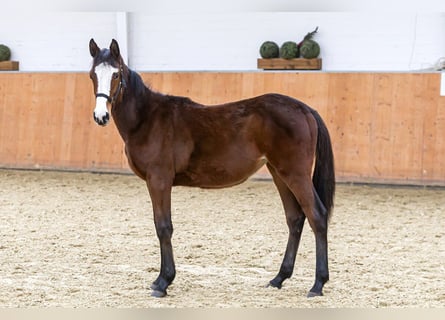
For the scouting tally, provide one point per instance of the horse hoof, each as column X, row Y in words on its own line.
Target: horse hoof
column 158, row 294
column 314, row 294
column 274, row 285
column 154, row 287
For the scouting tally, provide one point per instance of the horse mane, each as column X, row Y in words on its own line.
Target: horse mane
column 178, row 100
column 140, row 88
column 136, row 83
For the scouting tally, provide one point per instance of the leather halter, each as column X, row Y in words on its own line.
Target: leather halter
column 122, row 85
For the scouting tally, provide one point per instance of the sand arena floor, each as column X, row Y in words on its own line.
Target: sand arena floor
column 88, row 240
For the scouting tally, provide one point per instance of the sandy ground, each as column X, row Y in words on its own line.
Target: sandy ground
column 88, row 240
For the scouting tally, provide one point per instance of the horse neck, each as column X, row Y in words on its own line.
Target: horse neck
column 130, row 112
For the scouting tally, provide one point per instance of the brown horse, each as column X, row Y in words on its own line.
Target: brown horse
column 173, row 141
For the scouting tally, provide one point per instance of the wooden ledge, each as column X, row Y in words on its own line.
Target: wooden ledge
column 289, row 64
column 9, row 65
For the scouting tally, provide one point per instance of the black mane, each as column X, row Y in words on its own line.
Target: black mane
column 136, row 82
column 139, row 87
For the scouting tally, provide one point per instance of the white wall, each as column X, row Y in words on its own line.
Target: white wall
column 54, row 41
column 353, row 41
column 230, row 41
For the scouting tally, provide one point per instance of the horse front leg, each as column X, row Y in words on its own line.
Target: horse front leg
column 160, row 193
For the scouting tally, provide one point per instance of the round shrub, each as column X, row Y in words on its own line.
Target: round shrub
column 269, row 50
column 309, row 49
column 289, row 50
column 5, row 53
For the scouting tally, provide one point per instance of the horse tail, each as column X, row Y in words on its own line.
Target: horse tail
column 324, row 174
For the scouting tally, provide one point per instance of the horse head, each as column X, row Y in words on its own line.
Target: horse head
column 107, row 74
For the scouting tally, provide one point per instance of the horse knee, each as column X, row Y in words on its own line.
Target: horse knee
column 164, row 230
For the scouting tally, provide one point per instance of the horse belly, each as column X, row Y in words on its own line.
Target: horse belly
column 218, row 174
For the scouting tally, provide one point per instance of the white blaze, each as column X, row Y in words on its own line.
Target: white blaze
column 104, row 73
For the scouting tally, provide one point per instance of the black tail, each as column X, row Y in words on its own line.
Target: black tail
column 324, row 175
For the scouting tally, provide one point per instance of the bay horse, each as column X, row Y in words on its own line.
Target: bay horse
column 174, row 141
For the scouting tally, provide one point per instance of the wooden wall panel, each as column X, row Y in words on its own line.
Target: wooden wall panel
column 385, row 127
column 46, row 122
column 348, row 114
column 381, row 130
column 433, row 152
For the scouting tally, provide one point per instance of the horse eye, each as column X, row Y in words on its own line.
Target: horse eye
column 115, row 75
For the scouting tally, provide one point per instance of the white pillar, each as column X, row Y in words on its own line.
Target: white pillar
column 122, row 34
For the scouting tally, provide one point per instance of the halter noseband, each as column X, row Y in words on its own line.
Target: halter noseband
column 122, row 85
column 103, row 95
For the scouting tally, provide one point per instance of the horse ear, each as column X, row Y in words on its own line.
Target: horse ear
column 114, row 48
column 94, row 49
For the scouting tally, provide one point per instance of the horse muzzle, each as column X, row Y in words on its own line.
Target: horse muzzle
column 102, row 120
column 101, row 114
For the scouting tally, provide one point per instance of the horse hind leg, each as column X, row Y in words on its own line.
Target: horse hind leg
column 319, row 224
column 316, row 214
column 307, row 203
column 295, row 220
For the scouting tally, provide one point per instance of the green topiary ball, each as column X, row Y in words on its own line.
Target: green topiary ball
column 269, row 50
column 309, row 49
column 289, row 50
column 5, row 53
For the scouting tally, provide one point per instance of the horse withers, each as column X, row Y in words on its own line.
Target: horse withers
column 174, row 141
